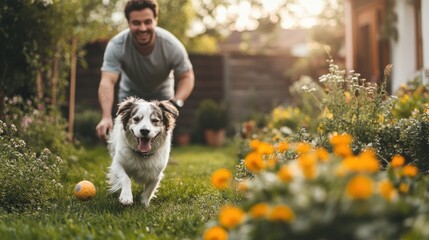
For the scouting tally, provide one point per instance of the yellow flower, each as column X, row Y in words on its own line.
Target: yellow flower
column 341, row 139
column 221, row 178
column 254, row 144
column 404, row 99
column 366, row 162
column 302, row 147
column 285, row 174
column 347, row 97
column 215, row 233
column 307, row 164
column 343, row 150
column 281, row 213
column 360, row 187
column 387, row 190
column 282, row 147
column 381, row 118
column 404, row 188
column 259, row 210
column 410, row 171
column 265, row 148
column 254, row 162
column 322, row 154
column 397, row 161
column 231, row 216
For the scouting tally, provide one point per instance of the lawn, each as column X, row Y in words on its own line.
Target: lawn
column 184, row 203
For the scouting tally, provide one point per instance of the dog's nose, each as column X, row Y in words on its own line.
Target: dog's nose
column 144, row 132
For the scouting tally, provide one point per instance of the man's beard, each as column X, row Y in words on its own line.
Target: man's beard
column 146, row 41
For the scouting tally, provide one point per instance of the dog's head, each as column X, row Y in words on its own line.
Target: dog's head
column 147, row 120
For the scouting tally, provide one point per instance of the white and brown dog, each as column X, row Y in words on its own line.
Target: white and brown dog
column 140, row 146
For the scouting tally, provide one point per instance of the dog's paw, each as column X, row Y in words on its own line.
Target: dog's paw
column 125, row 199
column 145, row 203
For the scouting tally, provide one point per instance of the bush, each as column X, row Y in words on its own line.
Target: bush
column 408, row 137
column 41, row 126
column 29, row 181
column 290, row 117
column 84, row 126
column 412, row 96
column 211, row 115
column 354, row 106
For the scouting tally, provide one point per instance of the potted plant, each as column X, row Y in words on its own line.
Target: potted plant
column 212, row 119
column 182, row 136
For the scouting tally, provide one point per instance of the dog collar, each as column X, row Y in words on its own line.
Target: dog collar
column 144, row 155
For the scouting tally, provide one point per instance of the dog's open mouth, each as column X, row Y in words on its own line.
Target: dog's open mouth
column 145, row 144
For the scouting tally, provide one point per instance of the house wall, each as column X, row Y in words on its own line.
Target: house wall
column 425, row 36
column 403, row 50
column 349, row 35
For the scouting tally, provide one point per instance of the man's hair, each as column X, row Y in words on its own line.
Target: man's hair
column 136, row 5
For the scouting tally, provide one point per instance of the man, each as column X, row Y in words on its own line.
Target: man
column 148, row 59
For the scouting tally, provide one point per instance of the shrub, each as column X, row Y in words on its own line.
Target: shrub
column 84, row 126
column 29, row 181
column 412, row 95
column 289, row 117
column 41, row 126
column 211, row 115
column 408, row 137
column 355, row 106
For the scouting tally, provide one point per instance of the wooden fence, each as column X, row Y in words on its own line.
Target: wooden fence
column 246, row 84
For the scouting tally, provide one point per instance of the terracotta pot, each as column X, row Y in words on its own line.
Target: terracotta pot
column 183, row 139
column 214, row 138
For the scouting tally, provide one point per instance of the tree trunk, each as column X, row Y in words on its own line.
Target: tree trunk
column 2, row 105
column 39, row 83
column 55, row 78
column 72, row 88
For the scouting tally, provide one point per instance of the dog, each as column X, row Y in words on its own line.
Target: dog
column 140, row 145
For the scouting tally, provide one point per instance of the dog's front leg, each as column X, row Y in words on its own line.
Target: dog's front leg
column 119, row 179
column 126, row 197
column 149, row 191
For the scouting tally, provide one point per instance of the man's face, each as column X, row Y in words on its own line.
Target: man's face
column 142, row 24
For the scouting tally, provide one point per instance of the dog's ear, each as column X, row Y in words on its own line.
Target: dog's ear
column 169, row 112
column 124, row 109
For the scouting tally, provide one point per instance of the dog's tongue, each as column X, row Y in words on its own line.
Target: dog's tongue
column 144, row 145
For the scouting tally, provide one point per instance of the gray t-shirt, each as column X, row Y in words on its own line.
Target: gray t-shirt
column 148, row 77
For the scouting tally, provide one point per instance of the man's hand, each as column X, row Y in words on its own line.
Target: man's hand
column 104, row 127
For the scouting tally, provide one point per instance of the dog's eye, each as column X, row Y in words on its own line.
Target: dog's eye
column 136, row 119
column 156, row 120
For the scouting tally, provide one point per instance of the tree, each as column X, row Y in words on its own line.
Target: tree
column 36, row 38
column 327, row 39
column 25, row 34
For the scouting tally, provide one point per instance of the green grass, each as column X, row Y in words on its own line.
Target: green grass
column 184, row 203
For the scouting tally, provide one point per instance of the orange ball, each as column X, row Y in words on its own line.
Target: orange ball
column 84, row 190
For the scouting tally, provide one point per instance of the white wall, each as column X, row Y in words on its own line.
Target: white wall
column 425, row 36
column 349, row 35
column 404, row 50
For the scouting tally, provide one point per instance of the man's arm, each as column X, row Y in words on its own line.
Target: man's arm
column 106, row 91
column 185, row 85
